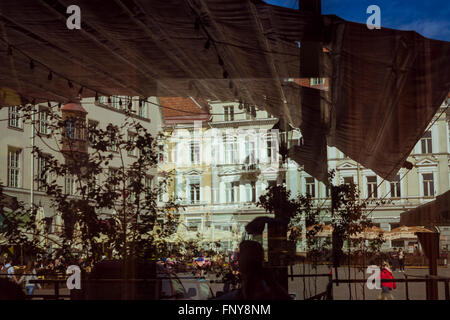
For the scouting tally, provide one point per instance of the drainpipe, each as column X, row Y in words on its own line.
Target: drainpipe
column 32, row 157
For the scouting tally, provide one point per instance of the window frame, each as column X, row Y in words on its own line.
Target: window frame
column 194, row 193
column 14, row 118
column 310, row 185
column 41, row 161
column 228, row 113
column 428, row 185
column 426, row 142
column 372, row 187
column 70, row 187
column 91, row 124
column 396, row 187
column 17, row 168
column 131, row 136
column 194, row 152
column 43, row 122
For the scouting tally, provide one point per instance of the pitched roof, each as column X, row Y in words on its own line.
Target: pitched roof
column 182, row 110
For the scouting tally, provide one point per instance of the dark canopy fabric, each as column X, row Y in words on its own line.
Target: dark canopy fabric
column 385, row 84
column 434, row 213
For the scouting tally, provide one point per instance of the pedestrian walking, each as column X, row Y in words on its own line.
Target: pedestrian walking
column 387, row 287
column 8, row 269
column 393, row 256
column 30, row 274
column 257, row 283
column 401, row 260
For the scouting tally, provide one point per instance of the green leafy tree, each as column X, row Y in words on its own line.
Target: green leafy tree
column 113, row 211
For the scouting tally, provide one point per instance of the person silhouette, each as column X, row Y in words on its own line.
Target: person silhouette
column 257, row 282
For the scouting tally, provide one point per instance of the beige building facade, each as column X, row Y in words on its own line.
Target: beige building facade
column 19, row 169
column 235, row 169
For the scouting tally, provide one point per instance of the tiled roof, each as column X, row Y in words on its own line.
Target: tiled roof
column 175, row 108
column 72, row 106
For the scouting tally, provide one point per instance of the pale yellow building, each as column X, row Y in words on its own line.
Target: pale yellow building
column 19, row 168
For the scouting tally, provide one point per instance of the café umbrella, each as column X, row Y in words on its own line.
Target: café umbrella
column 405, row 232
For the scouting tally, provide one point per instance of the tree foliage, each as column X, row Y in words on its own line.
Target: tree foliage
column 113, row 211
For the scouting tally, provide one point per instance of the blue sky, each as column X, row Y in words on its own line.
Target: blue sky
column 430, row 18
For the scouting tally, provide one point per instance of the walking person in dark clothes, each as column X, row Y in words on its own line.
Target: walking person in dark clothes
column 401, row 260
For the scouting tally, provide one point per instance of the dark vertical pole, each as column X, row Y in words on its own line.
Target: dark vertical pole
column 277, row 249
column 447, row 292
column 433, row 274
column 311, row 47
column 56, row 289
column 406, row 286
column 330, row 287
column 430, row 245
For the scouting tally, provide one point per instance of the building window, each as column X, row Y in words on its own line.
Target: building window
column 228, row 113
column 161, row 190
column 428, row 184
column 250, row 150
column 271, row 148
column 43, row 121
column 14, row 120
column 103, row 100
column 42, row 175
column 70, row 130
column 92, row 125
column 194, row 192
column 148, row 184
column 113, row 174
column 251, row 192
column 229, row 192
column 395, row 188
column 272, row 183
column 235, row 192
column 161, row 154
column 112, row 138
column 372, row 190
column 14, row 167
column 317, row 81
column 127, row 103
column 70, row 185
column 251, row 113
column 348, row 180
column 253, row 187
column 195, row 152
column 143, row 109
column 194, row 225
column 120, row 102
column 131, row 144
column 310, row 186
column 327, row 191
column 230, row 149
column 426, row 142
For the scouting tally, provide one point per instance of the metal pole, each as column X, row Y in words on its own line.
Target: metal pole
column 32, row 157
column 406, row 286
column 447, row 293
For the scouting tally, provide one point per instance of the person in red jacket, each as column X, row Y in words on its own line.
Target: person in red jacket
column 386, row 287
